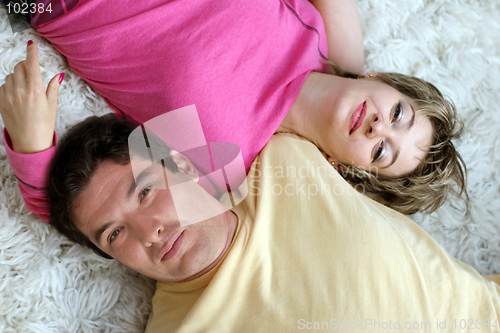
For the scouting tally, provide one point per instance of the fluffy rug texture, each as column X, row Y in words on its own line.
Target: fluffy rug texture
column 48, row 284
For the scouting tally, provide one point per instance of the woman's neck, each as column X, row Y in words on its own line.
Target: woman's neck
column 311, row 109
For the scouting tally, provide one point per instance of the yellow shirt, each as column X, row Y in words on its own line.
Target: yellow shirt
column 311, row 253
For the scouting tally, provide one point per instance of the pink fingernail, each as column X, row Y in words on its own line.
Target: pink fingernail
column 61, row 78
column 30, row 42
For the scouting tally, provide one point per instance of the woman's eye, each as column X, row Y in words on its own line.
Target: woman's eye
column 113, row 235
column 144, row 192
column 398, row 111
column 379, row 152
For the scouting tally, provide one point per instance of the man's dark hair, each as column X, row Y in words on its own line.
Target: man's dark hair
column 80, row 153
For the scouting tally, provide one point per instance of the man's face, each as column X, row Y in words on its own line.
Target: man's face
column 138, row 225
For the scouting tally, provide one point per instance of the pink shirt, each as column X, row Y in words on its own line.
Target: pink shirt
column 242, row 63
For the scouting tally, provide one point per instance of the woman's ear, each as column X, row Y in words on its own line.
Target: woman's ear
column 371, row 74
column 184, row 165
column 332, row 161
column 335, row 164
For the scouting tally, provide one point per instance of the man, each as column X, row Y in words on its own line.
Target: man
column 304, row 250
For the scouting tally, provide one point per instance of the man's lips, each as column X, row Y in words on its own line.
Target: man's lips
column 358, row 117
column 171, row 247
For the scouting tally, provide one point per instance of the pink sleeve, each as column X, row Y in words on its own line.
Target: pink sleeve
column 31, row 172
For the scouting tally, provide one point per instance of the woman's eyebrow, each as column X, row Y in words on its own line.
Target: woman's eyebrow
column 410, row 125
column 412, row 120
column 394, row 159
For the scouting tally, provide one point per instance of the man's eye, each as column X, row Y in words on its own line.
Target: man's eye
column 398, row 111
column 144, row 192
column 379, row 152
column 113, row 235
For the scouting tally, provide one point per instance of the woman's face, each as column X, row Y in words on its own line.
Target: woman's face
column 374, row 127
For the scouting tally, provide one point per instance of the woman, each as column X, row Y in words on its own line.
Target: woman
column 251, row 69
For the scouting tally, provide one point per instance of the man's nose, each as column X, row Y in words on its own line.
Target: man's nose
column 148, row 229
column 376, row 127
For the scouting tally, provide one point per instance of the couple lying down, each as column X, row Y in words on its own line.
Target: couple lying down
column 371, row 121
column 303, row 248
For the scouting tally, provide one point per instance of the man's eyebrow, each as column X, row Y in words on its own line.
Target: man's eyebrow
column 133, row 184
column 100, row 231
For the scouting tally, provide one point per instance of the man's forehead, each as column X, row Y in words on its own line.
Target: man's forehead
column 102, row 198
column 103, row 184
column 108, row 174
column 113, row 181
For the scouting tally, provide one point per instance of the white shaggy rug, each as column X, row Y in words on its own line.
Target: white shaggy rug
column 48, row 284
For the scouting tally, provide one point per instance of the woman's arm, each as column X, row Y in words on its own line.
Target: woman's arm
column 29, row 114
column 28, row 111
column 343, row 33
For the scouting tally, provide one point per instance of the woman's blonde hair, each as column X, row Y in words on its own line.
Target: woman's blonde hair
column 443, row 170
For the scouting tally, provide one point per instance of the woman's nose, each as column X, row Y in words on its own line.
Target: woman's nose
column 376, row 127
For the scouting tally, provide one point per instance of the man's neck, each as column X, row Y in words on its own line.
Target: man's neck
column 232, row 225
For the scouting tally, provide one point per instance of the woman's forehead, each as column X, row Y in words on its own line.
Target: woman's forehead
column 414, row 146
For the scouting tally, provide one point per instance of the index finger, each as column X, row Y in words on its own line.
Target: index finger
column 33, row 74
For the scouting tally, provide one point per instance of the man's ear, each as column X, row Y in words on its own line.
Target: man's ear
column 184, row 165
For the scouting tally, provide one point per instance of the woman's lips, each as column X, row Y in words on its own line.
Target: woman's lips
column 358, row 117
column 171, row 247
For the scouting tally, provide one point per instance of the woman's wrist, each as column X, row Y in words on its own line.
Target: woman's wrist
column 28, row 146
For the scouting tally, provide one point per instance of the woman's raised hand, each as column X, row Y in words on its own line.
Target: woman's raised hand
column 28, row 110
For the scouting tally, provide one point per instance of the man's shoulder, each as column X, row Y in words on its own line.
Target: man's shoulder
column 285, row 138
column 293, row 148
